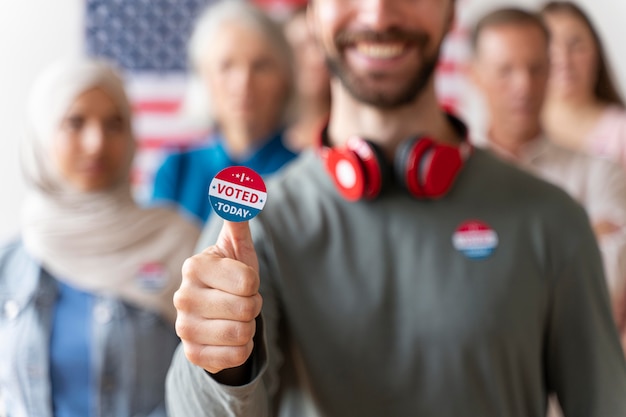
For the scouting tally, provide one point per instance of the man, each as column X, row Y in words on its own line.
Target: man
column 510, row 67
column 478, row 298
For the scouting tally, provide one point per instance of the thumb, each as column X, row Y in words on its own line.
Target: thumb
column 235, row 242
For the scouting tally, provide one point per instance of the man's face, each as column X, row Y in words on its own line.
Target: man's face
column 511, row 68
column 383, row 51
column 248, row 83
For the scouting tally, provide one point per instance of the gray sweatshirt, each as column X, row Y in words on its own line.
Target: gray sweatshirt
column 479, row 304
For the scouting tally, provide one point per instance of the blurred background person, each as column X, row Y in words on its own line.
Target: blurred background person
column 312, row 83
column 510, row 66
column 584, row 109
column 87, row 319
column 244, row 64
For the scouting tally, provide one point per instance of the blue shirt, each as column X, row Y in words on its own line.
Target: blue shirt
column 184, row 177
column 69, row 353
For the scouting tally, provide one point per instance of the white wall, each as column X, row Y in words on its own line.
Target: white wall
column 35, row 32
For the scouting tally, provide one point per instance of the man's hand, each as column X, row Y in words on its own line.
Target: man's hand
column 218, row 301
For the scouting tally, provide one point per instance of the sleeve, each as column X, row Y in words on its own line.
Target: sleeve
column 165, row 188
column 585, row 364
column 191, row 391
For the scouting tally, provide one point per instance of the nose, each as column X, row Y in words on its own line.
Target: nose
column 559, row 55
column 523, row 81
column 240, row 80
column 93, row 139
column 379, row 14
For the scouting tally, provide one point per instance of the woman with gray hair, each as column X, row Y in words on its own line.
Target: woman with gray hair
column 244, row 63
column 86, row 311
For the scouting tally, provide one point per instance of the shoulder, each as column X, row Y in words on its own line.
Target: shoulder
column 484, row 170
column 302, row 177
column 610, row 125
column 13, row 252
column 192, row 163
column 19, row 271
column 504, row 186
column 616, row 114
column 193, row 155
column 173, row 223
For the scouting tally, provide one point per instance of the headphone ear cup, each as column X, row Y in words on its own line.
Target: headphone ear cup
column 374, row 164
column 359, row 169
column 346, row 171
column 427, row 169
column 440, row 169
column 408, row 164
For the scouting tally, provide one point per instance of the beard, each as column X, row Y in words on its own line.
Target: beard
column 360, row 86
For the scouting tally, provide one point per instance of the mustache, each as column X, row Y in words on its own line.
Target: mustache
column 348, row 38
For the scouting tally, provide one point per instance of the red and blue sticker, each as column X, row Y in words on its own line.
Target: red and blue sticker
column 237, row 194
column 475, row 239
column 152, row 277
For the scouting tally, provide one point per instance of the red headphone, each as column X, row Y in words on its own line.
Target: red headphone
column 426, row 168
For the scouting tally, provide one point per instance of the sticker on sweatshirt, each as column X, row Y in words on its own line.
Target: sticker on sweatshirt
column 152, row 277
column 475, row 239
column 237, row 194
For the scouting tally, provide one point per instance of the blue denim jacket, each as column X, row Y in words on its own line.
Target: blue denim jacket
column 131, row 353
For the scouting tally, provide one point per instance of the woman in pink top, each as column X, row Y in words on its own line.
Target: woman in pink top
column 583, row 109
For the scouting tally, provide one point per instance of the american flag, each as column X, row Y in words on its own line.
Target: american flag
column 147, row 39
column 451, row 81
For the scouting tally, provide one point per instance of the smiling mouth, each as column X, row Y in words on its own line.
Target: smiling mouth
column 378, row 50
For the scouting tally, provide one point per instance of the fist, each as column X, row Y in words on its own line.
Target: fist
column 218, row 301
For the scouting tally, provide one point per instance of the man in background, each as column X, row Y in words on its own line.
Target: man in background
column 510, row 66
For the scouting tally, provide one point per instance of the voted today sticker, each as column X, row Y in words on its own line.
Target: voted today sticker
column 237, row 194
column 475, row 239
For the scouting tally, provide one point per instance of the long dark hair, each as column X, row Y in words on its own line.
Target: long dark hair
column 605, row 88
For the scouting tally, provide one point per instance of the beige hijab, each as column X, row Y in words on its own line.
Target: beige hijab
column 100, row 242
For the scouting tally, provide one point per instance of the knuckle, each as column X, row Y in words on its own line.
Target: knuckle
column 238, row 356
column 248, row 283
column 189, row 267
column 194, row 354
column 181, row 300
column 243, row 333
column 184, row 330
column 247, row 310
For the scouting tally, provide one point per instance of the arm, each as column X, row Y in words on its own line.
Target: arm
column 585, row 363
column 607, row 208
column 194, row 391
column 607, row 201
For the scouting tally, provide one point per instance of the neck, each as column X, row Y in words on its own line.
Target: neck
column 239, row 140
column 312, row 109
column 572, row 103
column 512, row 141
column 388, row 127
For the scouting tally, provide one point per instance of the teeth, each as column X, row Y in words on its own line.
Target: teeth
column 381, row 51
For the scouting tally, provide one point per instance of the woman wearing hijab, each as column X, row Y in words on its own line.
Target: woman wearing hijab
column 86, row 312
